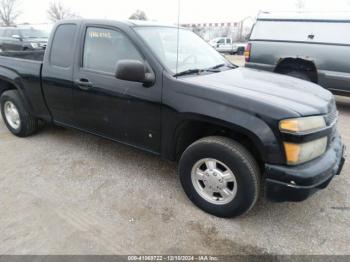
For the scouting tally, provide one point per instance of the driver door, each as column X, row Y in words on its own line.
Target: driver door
column 120, row 110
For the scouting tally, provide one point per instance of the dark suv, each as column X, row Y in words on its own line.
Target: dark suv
column 18, row 39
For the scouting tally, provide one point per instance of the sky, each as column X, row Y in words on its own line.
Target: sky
column 192, row 11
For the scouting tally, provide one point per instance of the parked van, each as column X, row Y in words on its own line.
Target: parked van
column 310, row 46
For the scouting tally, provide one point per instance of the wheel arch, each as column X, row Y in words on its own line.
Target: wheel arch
column 192, row 129
column 11, row 81
column 303, row 64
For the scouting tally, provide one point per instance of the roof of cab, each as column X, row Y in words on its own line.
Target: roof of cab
column 148, row 23
column 132, row 23
column 305, row 16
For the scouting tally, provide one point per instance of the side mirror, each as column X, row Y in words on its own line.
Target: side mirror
column 134, row 71
column 16, row 37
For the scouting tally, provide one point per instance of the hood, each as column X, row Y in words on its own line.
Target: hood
column 280, row 92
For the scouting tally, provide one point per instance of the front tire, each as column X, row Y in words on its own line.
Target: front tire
column 220, row 176
column 17, row 119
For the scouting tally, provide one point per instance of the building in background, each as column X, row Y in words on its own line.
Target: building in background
column 209, row 31
column 237, row 31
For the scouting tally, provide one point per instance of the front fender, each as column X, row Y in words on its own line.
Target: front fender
column 180, row 106
column 258, row 132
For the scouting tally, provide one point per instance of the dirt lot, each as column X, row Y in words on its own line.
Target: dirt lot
column 237, row 60
column 65, row 192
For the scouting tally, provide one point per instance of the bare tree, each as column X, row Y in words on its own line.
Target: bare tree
column 300, row 4
column 57, row 12
column 9, row 12
column 138, row 15
column 198, row 30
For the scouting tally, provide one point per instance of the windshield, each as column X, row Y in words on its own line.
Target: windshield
column 34, row 33
column 194, row 52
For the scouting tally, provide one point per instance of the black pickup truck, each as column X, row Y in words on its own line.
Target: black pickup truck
column 164, row 90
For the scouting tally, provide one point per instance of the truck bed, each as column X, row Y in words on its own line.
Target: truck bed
column 24, row 69
column 28, row 55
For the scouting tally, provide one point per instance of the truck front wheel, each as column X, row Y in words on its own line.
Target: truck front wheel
column 220, row 176
column 15, row 116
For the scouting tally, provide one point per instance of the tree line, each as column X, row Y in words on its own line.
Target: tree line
column 10, row 11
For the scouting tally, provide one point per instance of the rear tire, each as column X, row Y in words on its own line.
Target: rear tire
column 231, row 188
column 299, row 74
column 240, row 51
column 17, row 119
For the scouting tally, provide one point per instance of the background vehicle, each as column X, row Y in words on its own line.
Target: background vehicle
column 313, row 47
column 225, row 125
column 18, row 39
column 241, row 47
column 224, row 45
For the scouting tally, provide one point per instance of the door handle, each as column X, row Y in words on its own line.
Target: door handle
column 84, row 84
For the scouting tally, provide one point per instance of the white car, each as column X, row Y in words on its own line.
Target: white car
column 224, row 45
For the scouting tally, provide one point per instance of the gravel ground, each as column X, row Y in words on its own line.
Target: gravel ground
column 236, row 59
column 65, row 192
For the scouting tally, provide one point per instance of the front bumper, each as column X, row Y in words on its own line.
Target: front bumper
column 297, row 183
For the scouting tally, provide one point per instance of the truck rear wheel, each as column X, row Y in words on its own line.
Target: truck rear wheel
column 17, row 119
column 299, row 74
column 240, row 51
column 220, row 176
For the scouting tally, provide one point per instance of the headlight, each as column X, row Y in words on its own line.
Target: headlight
column 305, row 124
column 300, row 153
column 34, row 45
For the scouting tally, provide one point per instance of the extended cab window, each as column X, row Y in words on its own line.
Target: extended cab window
column 105, row 47
column 62, row 46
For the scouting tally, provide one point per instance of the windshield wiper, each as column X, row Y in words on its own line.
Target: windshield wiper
column 188, row 72
column 216, row 67
column 213, row 69
column 222, row 65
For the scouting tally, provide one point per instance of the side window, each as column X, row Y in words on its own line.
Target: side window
column 63, row 46
column 221, row 41
column 103, row 48
column 2, row 32
column 228, row 40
